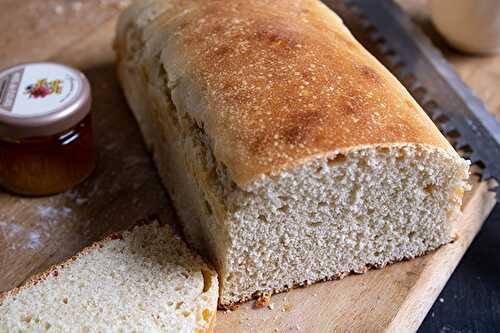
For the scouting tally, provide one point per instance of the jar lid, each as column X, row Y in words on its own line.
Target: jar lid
column 41, row 99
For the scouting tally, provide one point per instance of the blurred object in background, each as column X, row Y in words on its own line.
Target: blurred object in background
column 468, row 25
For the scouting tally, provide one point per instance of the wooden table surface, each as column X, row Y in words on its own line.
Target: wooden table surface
column 37, row 232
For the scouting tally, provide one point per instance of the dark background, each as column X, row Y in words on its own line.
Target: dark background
column 470, row 301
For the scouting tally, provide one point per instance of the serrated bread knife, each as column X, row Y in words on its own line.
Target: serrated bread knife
column 391, row 36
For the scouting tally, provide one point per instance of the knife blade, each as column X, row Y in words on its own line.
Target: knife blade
column 391, row 36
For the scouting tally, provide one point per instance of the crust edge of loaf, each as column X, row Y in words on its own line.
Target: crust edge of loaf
column 339, row 276
column 330, row 154
column 142, row 22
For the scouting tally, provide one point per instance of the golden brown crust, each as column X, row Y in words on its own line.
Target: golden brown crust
column 274, row 83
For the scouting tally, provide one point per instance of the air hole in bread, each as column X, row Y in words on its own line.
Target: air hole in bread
column 429, row 188
column 339, row 158
column 401, row 156
column 262, row 218
column 384, row 150
column 283, row 209
column 186, row 314
column 283, row 198
column 314, row 223
column 178, row 305
column 26, row 318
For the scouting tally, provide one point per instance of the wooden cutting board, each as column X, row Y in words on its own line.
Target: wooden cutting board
column 37, row 232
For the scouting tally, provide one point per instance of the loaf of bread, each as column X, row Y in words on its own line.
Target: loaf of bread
column 291, row 154
column 145, row 280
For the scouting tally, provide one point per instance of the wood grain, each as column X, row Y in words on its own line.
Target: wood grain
column 37, row 232
column 124, row 188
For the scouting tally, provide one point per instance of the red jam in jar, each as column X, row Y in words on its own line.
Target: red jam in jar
column 46, row 143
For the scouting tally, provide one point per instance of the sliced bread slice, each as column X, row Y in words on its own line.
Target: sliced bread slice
column 144, row 280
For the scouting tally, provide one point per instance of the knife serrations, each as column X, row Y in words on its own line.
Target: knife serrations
column 390, row 35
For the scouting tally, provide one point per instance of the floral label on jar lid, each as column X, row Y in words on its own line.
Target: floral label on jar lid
column 37, row 89
column 43, row 88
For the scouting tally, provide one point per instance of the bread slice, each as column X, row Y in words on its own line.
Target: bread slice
column 145, row 280
column 291, row 154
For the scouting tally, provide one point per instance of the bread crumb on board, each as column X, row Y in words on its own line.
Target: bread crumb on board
column 263, row 300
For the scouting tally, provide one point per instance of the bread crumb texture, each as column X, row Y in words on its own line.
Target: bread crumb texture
column 324, row 219
column 145, row 281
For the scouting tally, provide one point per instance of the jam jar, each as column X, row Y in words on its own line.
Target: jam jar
column 46, row 143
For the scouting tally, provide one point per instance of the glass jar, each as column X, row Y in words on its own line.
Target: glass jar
column 46, row 143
